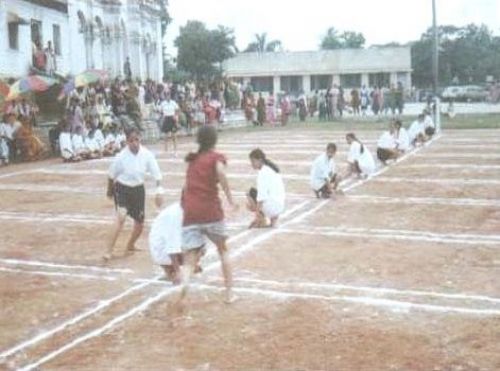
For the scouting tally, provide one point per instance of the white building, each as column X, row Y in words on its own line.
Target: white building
column 318, row 70
column 85, row 34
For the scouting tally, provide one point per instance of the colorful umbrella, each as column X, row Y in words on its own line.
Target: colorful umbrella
column 89, row 77
column 30, row 83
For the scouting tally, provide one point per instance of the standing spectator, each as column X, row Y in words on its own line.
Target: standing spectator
column 399, row 98
column 375, row 100
column 127, row 71
column 39, row 57
column 365, row 99
column 341, row 101
column 286, row 109
column 75, row 115
column 355, row 101
column 334, row 99
column 50, row 57
column 261, row 110
column 169, row 111
column 270, row 109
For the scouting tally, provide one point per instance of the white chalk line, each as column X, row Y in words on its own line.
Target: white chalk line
column 453, row 166
column 462, row 239
column 137, row 309
column 374, row 290
column 144, row 305
column 467, row 181
column 102, row 305
column 59, row 274
column 34, row 263
column 424, row 200
column 394, row 305
column 459, row 154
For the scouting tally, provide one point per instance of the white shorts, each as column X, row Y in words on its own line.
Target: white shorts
column 195, row 236
column 272, row 208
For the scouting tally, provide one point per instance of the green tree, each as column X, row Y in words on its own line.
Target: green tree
column 261, row 45
column 201, row 51
column 468, row 54
column 347, row 39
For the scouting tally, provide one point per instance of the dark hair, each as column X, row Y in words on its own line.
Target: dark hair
column 258, row 154
column 353, row 137
column 331, row 147
column 131, row 131
column 206, row 139
column 398, row 124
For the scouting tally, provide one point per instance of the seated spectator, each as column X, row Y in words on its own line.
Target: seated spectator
column 4, row 141
column 79, row 144
column 92, row 146
column 66, row 146
column 29, row 145
column 110, row 143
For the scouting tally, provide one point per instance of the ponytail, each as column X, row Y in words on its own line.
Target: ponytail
column 258, row 154
column 353, row 137
column 206, row 138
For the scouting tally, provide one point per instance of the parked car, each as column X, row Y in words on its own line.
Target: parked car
column 466, row 93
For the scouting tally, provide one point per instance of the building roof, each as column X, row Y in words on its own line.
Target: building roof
column 341, row 61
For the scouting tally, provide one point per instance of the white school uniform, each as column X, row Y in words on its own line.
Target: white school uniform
column 4, row 136
column 403, row 140
column 417, row 128
column 130, row 169
column 365, row 160
column 165, row 237
column 322, row 170
column 120, row 139
column 387, row 141
column 110, row 140
column 99, row 138
column 66, row 145
column 78, row 143
column 428, row 122
column 271, row 192
column 91, row 144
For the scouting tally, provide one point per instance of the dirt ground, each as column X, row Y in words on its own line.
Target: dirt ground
column 400, row 273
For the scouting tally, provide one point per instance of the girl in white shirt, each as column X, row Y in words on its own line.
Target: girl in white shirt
column 79, row 144
column 387, row 146
column 360, row 159
column 402, row 138
column 267, row 201
column 66, row 146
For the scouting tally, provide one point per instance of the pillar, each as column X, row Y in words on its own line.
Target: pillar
column 306, row 83
column 276, row 84
column 365, row 80
column 336, row 79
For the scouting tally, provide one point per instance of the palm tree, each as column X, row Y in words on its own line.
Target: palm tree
column 260, row 45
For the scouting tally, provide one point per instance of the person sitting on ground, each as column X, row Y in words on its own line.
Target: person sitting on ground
column 29, row 145
column 92, row 146
column 267, row 201
column 360, row 159
column 4, row 141
column 79, row 144
column 387, row 146
column 109, row 143
column 99, row 137
column 66, row 146
column 121, row 139
column 416, row 133
column 402, row 138
column 324, row 179
column 430, row 128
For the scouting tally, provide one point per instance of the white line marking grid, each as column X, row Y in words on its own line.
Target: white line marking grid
column 377, row 296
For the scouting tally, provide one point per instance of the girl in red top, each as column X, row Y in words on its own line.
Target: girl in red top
column 203, row 214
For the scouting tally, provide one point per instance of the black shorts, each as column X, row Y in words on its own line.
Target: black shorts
column 169, row 125
column 132, row 199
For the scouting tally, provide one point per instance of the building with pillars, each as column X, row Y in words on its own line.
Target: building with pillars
column 85, row 34
column 295, row 72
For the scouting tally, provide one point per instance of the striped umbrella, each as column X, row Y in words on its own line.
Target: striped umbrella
column 89, row 77
column 27, row 84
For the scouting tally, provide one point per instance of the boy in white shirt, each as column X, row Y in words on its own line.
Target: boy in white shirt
column 324, row 179
column 66, row 146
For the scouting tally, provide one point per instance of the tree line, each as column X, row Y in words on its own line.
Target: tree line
column 467, row 54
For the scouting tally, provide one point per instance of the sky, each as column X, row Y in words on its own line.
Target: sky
column 300, row 25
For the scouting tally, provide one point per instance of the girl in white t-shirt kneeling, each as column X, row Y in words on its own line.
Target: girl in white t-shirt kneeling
column 360, row 159
column 267, row 201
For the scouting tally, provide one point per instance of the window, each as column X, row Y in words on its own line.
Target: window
column 350, row 80
column 321, row 82
column 13, row 35
column 56, row 38
column 291, row 84
column 262, row 83
column 379, row 79
column 36, row 33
